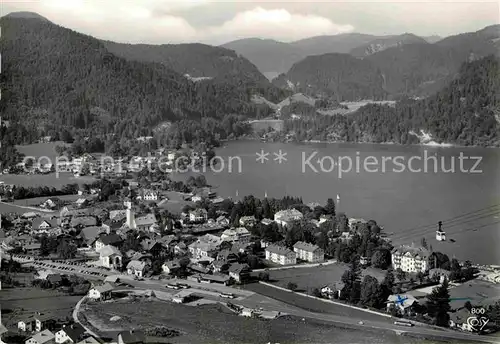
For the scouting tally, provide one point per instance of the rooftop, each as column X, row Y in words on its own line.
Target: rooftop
column 279, row 250
column 43, row 337
column 103, row 288
column 109, row 250
column 412, row 250
column 136, row 265
column 301, row 245
column 110, row 239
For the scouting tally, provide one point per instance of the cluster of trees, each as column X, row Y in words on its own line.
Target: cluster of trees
column 367, row 291
column 21, row 192
column 64, row 248
column 70, row 284
column 10, row 135
column 438, row 305
column 465, row 112
column 370, row 293
column 339, row 75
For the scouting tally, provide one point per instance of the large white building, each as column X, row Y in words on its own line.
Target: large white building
column 286, row 217
column 240, row 235
column 110, row 257
column 198, row 215
column 205, row 246
column 281, row 255
column 309, row 252
column 410, row 258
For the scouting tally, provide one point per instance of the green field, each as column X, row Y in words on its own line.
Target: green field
column 41, row 149
column 316, row 277
column 19, row 303
column 175, row 202
column 51, row 180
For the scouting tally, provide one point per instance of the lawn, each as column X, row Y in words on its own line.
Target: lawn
column 19, row 303
column 479, row 292
column 175, row 202
column 316, row 277
column 41, row 149
column 50, row 180
column 17, row 206
column 216, row 324
column 33, row 202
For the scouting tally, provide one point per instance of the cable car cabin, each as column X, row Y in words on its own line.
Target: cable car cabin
column 440, row 236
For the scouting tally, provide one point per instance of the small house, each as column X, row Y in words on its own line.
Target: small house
column 131, row 337
column 108, row 239
column 137, row 268
column 70, row 334
column 459, row 318
column 198, row 215
column 247, row 221
column 44, row 337
column 239, row 272
column 182, row 296
column 101, row 292
column 171, row 267
column 405, row 304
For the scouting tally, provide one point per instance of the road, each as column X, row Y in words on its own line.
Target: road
column 76, row 310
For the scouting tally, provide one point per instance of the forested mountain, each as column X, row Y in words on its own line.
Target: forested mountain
column 340, row 76
column 272, row 57
column 54, row 78
column 466, row 112
column 197, row 60
column 268, row 55
column 410, row 69
column 422, row 69
column 432, row 39
column 384, row 43
column 342, row 43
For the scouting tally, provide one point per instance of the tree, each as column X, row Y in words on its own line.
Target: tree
column 468, row 305
column 381, row 259
column 455, row 270
column 468, row 271
column 423, row 242
column 371, row 292
column 352, row 283
column 440, row 260
column 264, row 276
column 66, row 250
column 438, row 304
column 401, row 275
column 316, row 292
column 291, row 286
column 389, row 279
column 330, row 207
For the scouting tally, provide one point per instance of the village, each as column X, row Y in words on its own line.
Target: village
column 135, row 229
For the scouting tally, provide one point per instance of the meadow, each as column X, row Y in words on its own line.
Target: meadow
column 316, row 277
column 20, row 303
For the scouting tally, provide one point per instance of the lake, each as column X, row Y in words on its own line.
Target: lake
column 408, row 203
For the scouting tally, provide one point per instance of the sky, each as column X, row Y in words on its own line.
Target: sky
column 218, row 22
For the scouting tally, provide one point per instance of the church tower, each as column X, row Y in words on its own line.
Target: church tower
column 130, row 217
